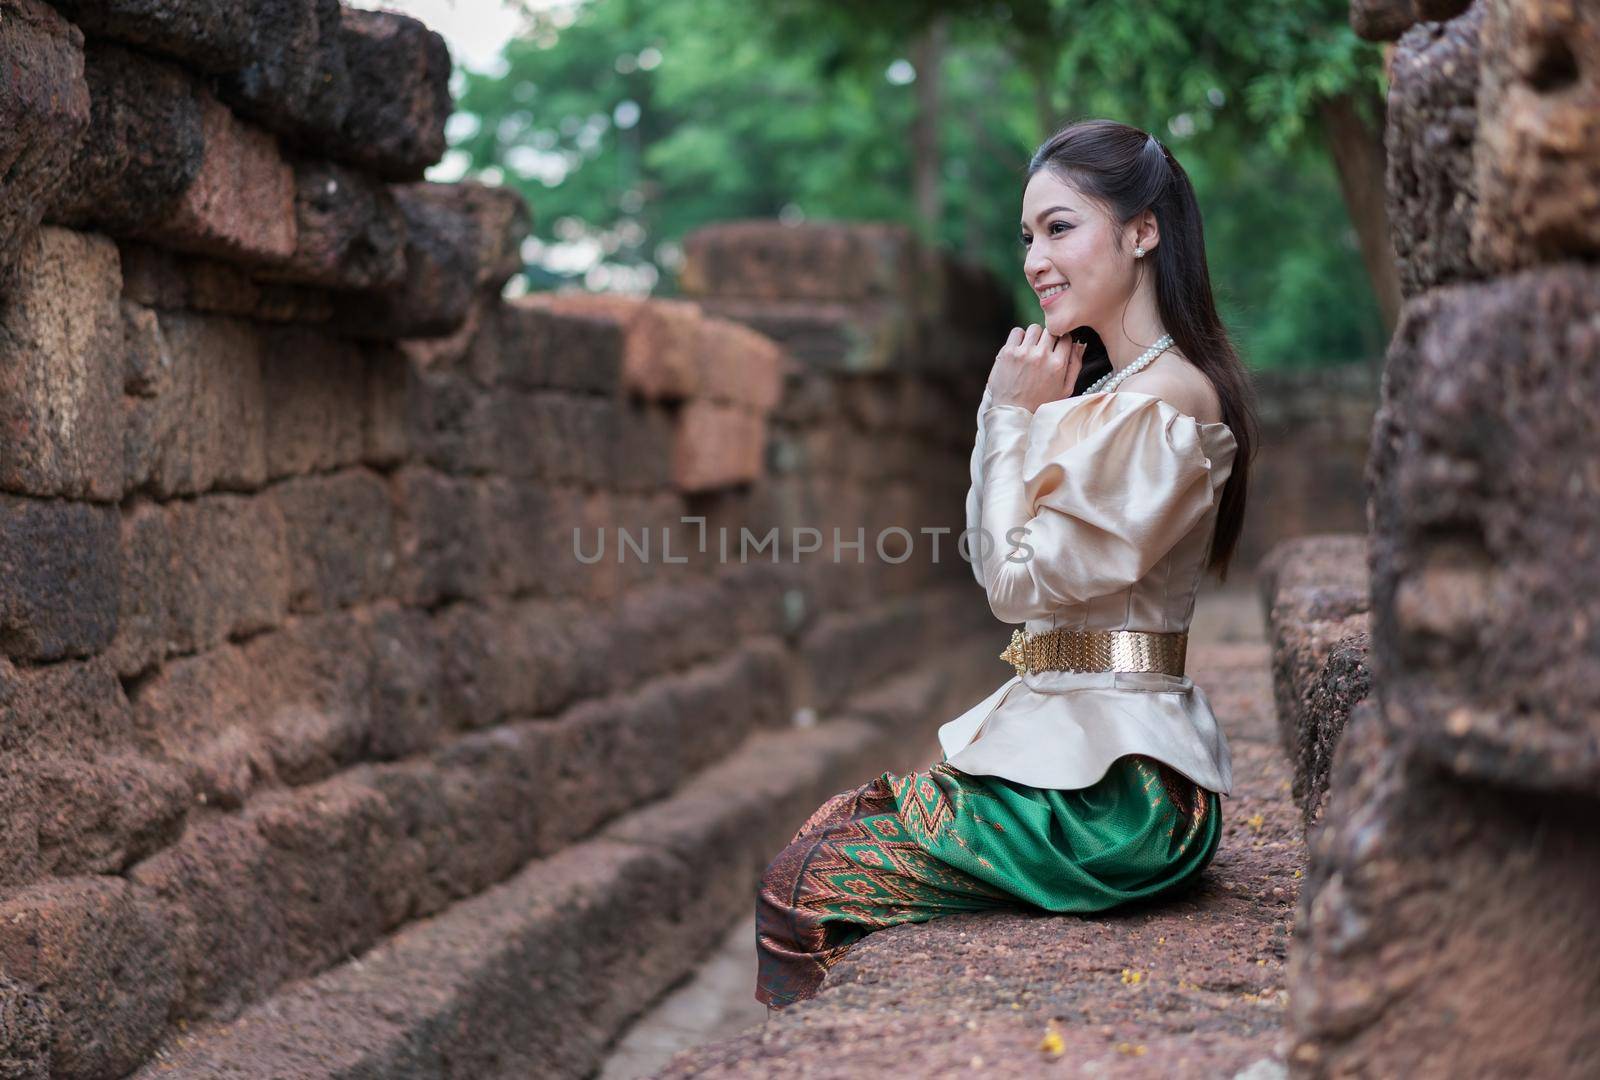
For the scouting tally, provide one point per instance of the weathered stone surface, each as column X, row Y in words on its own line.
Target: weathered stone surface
column 555, row 437
column 100, row 957
column 170, row 281
column 44, row 109
column 293, row 78
column 144, row 147
column 75, row 796
column 315, row 388
column 661, row 338
column 441, row 537
column 212, row 35
column 488, row 986
column 868, row 337
column 24, row 1032
column 1435, row 907
column 368, row 88
column 407, row 682
column 58, row 578
column 1484, row 521
column 1429, row 139
column 717, row 446
column 341, row 538
column 349, row 232
column 1538, row 154
column 766, row 260
column 291, row 706
column 241, row 205
column 200, row 421
column 61, row 369
column 525, row 344
column 196, row 572
column 399, row 94
column 462, row 240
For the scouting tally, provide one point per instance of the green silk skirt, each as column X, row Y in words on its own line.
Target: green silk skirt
column 910, row 848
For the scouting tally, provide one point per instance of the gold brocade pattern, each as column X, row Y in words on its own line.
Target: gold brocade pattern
column 1097, row 650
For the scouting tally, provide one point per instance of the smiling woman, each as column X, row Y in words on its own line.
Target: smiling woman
column 1093, row 777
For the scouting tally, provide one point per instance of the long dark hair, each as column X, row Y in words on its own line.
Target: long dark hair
column 1128, row 172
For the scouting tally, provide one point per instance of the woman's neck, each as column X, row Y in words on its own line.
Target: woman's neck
column 1134, row 330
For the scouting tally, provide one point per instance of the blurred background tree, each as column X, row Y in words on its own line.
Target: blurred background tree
column 628, row 124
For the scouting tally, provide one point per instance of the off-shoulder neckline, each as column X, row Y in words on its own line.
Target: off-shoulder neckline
column 1159, row 401
column 1162, row 402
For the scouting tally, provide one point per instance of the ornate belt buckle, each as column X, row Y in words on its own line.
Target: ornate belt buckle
column 1014, row 653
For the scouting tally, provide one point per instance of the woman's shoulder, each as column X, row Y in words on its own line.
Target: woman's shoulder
column 1176, row 381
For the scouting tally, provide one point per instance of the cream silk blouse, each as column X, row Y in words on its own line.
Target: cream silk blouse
column 1119, row 493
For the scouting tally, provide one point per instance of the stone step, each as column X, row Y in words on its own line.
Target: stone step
column 537, row 975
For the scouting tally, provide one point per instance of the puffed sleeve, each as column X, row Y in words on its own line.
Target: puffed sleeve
column 1104, row 486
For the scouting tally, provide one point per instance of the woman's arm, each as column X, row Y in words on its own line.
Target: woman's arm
column 1080, row 499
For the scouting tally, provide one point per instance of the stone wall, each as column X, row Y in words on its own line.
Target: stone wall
column 1306, row 478
column 1447, row 925
column 320, row 749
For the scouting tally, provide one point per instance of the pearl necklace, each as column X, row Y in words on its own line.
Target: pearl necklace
column 1110, row 380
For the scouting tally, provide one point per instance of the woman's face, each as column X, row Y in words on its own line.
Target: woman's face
column 1070, row 241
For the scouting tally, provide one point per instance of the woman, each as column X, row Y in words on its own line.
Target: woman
column 1108, row 473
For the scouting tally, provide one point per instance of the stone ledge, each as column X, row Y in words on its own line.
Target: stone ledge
column 1315, row 593
column 980, row 994
column 494, row 985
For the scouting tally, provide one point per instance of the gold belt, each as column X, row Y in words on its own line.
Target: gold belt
column 1096, row 650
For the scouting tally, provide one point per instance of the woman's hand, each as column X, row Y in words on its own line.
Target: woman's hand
column 1034, row 367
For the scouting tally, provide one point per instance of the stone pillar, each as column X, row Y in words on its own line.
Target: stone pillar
column 1449, row 925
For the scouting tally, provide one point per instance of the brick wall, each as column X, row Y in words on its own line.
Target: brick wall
column 300, row 677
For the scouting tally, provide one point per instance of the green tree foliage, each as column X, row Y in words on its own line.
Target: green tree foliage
column 628, row 124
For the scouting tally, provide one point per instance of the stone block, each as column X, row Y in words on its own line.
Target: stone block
column 834, row 336
column 1445, row 927
column 61, row 369
column 293, row 78
column 341, row 537
column 442, row 546
column 399, row 94
column 528, row 344
column 1429, row 139
column 241, row 205
column 211, row 35
column 315, row 388
column 739, row 366
column 103, row 961
column 661, row 354
column 201, row 422
column 196, row 572
column 58, row 578
column 144, row 147
column 407, row 682
column 44, row 111
column 290, row 706
column 450, row 421
column 717, row 445
column 767, row 260
column 1537, row 158
column 1484, row 517
column 227, row 924
column 349, row 232
column 384, row 439
column 555, row 437
column 462, row 240
column 523, row 536
column 75, row 797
